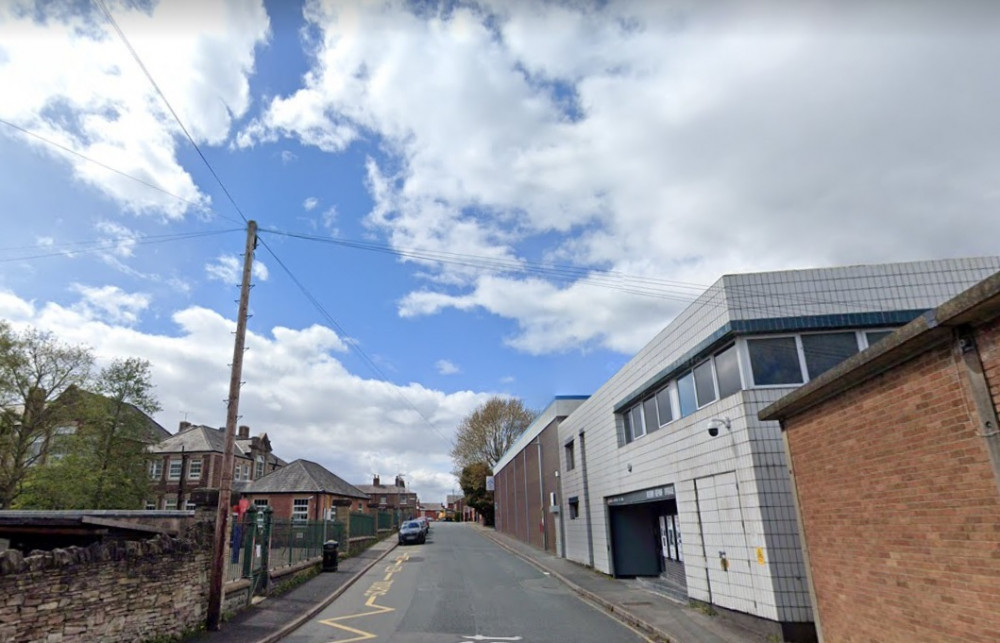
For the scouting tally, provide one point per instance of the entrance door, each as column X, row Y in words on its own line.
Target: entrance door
column 634, row 544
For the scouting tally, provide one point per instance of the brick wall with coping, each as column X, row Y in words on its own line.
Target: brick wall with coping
column 116, row 591
column 899, row 503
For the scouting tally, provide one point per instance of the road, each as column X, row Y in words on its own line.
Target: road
column 460, row 587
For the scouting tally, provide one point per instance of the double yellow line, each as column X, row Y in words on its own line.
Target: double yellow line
column 378, row 589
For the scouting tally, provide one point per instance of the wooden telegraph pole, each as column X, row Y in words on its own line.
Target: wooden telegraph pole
column 232, row 415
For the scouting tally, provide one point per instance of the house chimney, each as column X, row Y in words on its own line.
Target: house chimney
column 184, row 426
column 244, row 432
column 399, row 482
column 375, row 480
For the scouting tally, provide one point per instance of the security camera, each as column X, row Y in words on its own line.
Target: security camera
column 715, row 424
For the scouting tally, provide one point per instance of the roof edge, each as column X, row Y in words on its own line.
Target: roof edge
column 976, row 304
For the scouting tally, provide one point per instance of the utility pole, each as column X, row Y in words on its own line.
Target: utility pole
column 232, row 415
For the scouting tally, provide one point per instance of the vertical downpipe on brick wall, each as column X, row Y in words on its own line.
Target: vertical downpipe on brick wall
column 979, row 390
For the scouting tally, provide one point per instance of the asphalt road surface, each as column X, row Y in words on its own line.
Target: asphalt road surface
column 460, row 587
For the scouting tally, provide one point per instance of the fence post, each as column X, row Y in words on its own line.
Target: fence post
column 249, row 536
column 265, row 546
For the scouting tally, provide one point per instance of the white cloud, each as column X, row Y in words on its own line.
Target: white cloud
column 109, row 304
column 227, row 268
column 445, row 367
column 310, row 203
column 670, row 141
column 296, row 390
column 288, row 156
column 68, row 78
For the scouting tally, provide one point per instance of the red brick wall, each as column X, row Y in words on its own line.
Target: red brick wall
column 900, row 507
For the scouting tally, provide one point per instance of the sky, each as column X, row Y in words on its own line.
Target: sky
column 459, row 200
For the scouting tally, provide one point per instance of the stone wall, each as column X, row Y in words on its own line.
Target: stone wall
column 131, row 591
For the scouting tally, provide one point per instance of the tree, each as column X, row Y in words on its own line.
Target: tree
column 489, row 431
column 35, row 369
column 473, row 483
column 104, row 463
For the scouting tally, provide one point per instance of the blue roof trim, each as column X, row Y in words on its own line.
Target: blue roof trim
column 731, row 329
column 571, row 397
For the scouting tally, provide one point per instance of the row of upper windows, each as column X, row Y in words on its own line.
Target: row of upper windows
column 240, row 471
column 751, row 362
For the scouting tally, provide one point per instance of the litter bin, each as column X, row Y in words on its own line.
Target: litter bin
column 331, row 551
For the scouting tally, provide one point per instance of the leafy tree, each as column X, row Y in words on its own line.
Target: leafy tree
column 35, row 369
column 489, row 431
column 104, row 463
column 473, row 483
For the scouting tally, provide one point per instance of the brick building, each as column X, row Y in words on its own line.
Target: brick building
column 895, row 461
column 303, row 490
column 192, row 459
column 384, row 497
column 526, row 480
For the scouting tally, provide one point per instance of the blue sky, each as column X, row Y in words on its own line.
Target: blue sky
column 614, row 157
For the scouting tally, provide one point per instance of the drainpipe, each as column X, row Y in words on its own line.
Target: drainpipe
column 527, row 514
column 586, row 500
column 541, row 494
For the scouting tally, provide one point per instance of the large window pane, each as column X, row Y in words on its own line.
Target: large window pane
column 774, row 360
column 704, row 385
column 649, row 411
column 825, row 351
column 627, row 421
column 663, row 407
column 685, row 391
column 727, row 370
column 638, row 430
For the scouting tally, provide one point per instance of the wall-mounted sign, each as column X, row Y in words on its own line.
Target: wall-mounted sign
column 489, row 483
column 664, row 492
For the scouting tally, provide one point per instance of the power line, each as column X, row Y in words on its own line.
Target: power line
column 353, row 346
column 93, row 247
column 142, row 66
column 69, row 150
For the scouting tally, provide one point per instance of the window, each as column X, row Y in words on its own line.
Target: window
column 685, row 391
column 574, row 507
column 194, row 470
column 260, row 467
column 649, row 411
column 300, row 509
column 402, row 500
column 826, row 350
column 704, row 384
column 150, row 505
column 774, row 361
column 875, row 336
column 260, row 503
column 727, row 371
column 664, row 408
column 635, row 419
column 170, row 504
column 383, row 500
column 156, row 469
column 175, row 471
column 190, row 506
column 570, row 452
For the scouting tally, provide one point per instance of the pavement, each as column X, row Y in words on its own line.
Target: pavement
column 656, row 614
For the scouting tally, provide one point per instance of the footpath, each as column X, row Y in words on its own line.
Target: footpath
column 656, row 615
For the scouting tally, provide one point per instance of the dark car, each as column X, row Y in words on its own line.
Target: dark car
column 412, row 531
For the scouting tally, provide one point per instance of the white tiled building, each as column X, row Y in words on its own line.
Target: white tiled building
column 647, row 490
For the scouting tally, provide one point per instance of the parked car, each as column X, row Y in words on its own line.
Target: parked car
column 412, row 531
column 425, row 524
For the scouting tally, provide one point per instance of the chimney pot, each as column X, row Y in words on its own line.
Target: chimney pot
column 244, row 431
column 375, row 480
column 184, row 426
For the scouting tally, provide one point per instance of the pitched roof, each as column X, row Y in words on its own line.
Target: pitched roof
column 303, row 476
column 383, row 489
column 74, row 395
column 197, row 438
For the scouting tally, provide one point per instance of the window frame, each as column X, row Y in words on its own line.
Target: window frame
column 156, row 469
column 803, row 373
column 170, row 470
column 191, row 473
column 297, row 516
column 569, row 451
column 857, row 346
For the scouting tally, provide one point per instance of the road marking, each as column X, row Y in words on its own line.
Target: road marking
column 378, row 589
column 480, row 637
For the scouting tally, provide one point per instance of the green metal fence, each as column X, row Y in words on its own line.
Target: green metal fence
column 362, row 525
column 293, row 541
